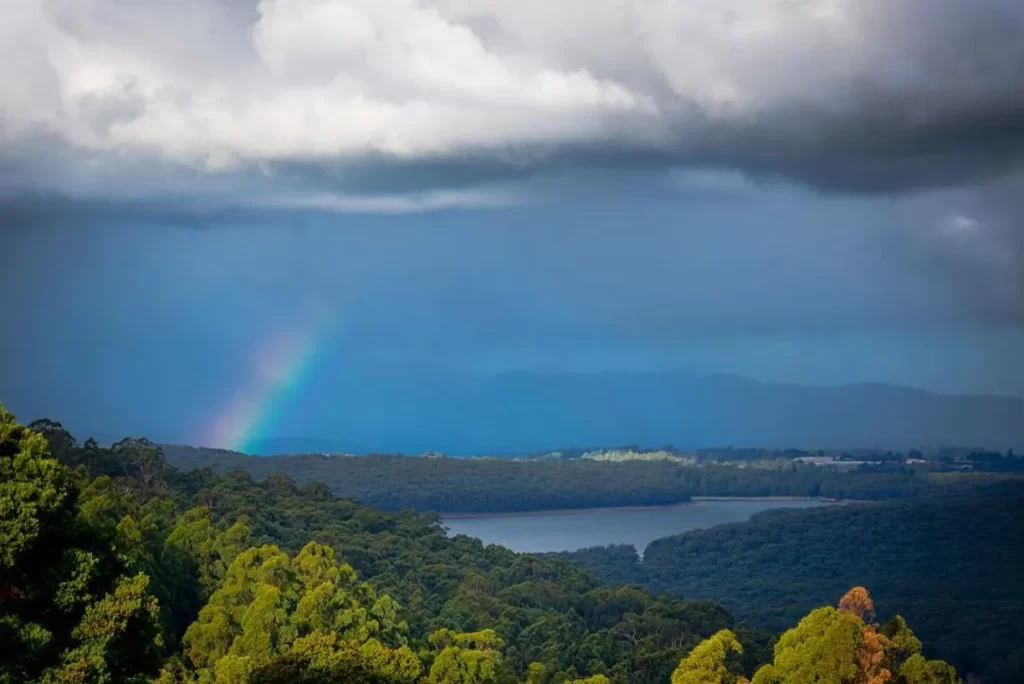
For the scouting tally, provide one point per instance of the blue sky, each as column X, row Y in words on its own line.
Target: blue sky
column 818, row 193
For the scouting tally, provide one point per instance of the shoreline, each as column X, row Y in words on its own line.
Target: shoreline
column 763, row 498
column 689, row 502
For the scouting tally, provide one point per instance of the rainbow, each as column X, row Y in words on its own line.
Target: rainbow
column 281, row 370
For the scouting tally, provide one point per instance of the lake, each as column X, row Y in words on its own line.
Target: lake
column 542, row 531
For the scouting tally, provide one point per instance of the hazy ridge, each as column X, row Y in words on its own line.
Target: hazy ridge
column 521, row 412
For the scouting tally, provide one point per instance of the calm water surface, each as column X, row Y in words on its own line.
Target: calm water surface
column 571, row 530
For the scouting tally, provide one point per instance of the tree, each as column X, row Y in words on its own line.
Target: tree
column 821, row 648
column 59, row 439
column 706, row 662
column 858, row 602
column 143, row 460
column 902, row 643
column 37, row 497
column 465, row 658
column 831, row 645
column 68, row 610
column 273, row 613
column 871, row 654
column 195, row 556
column 535, row 673
column 119, row 637
column 918, row 670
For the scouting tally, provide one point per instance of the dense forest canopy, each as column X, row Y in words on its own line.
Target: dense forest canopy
column 116, row 567
column 927, row 559
column 202, row 546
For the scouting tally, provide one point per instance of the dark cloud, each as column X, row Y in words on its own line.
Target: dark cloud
column 840, row 95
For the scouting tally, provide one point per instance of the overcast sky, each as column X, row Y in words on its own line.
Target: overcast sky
column 810, row 191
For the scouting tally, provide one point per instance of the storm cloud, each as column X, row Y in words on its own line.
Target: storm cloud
column 414, row 95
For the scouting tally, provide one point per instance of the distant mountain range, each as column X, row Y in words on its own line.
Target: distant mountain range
column 522, row 412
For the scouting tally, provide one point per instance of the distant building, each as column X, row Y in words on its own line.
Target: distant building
column 830, row 462
column 816, row 460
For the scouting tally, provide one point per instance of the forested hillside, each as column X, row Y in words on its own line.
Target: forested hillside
column 124, row 569
column 498, row 485
column 951, row 565
column 131, row 536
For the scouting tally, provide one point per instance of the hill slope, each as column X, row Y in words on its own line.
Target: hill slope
column 491, row 485
column 948, row 565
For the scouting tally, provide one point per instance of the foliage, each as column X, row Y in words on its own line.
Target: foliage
column 830, row 645
column 247, row 584
column 310, row 607
column 944, row 563
column 501, row 485
column 118, row 637
column 917, row 670
column 465, row 658
column 126, row 569
column 71, row 608
column 706, row 663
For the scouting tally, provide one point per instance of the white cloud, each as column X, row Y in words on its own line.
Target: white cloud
column 223, row 84
column 958, row 224
column 435, row 200
column 710, row 180
column 323, row 78
column 993, row 251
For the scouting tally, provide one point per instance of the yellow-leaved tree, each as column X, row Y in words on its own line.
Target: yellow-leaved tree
column 839, row 645
column 844, row 646
column 706, row 662
column 274, row 614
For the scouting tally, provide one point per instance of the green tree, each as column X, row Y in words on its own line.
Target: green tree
column 706, row 663
column 119, row 638
column 273, row 613
column 535, row 673
column 918, row 670
column 465, row 658
column 68, row 612
column 821, row 648
column 837, row 646
column 37, row 500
